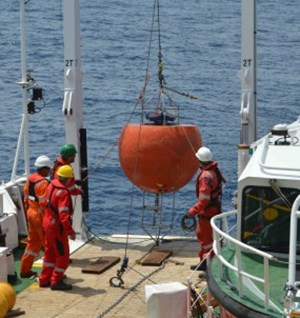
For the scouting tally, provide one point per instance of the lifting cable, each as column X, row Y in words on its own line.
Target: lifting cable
column 141, row 97
column 140, row 100
column 160, row 61
column 180, row 93
column 100, row 161
column 117, row 281
column 161, row 78
column 133, row 288
column 147, row 76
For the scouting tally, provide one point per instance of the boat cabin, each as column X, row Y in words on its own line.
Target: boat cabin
column 267, row 189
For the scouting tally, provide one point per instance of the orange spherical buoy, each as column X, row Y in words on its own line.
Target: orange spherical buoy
column 3, row 306
column 8, row 292
column 159, row 158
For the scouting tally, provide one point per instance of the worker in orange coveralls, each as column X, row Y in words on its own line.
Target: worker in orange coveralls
column 209, row 193
column 67, row 157
column 58, row 228
column 35, row 204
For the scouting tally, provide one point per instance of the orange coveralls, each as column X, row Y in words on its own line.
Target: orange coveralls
column 72, row 187
column 57, row 227
column 209, row 193
column 34, row 204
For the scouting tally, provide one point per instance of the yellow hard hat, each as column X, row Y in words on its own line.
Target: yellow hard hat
column 65, row 171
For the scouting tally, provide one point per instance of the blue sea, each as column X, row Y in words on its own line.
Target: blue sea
column 200, row 43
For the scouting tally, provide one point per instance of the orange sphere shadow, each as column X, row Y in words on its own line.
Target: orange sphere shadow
column 159, row 159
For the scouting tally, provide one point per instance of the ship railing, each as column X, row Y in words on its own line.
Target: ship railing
column 295, row 216
column 262, row 161
column 222, row 237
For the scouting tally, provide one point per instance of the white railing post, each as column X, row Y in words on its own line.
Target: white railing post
column 266, row 286
column 188, row 295
column 239, row 247
column 295, row 214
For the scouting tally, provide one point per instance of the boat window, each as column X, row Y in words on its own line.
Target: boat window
column 266, row 218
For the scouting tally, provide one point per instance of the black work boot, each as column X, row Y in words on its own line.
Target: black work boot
column 61, row 285
column 199, row 267
column 28, row 275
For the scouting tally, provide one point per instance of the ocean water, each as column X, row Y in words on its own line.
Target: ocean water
column 201, row 52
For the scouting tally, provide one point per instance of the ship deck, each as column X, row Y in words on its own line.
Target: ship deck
column 226, row 287
column 93, row 296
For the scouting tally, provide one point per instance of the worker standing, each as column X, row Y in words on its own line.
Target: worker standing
column 57, row 226
column 67, row 157
column 35, row 204
column 209, row 194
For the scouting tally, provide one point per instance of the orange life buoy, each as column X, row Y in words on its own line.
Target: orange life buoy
column 159, row 158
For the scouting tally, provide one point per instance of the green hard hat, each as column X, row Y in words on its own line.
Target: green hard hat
column 68, row 150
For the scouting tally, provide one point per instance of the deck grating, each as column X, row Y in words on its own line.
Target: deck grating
column 92, row 295
column 101, row 265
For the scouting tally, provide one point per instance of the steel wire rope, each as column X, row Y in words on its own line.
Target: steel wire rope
column 100, row 161
column 132, row 288
column 103, row 159
column 111, row 241
column 147, row 77
column 125, row 258
column 143, row 92
column 180, row 93
column 160, row 61
column 144, row 277
column 140, row 99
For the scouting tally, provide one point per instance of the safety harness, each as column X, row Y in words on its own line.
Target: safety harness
column 50, row 205
column 31, row 189
column 54, row 209
column 216, row 194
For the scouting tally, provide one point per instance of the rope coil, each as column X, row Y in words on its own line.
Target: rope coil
column 188, row 223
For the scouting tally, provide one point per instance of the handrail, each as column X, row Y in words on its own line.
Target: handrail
column 261, row 162
column 232, row 239
column 219, row 236
column 295, row 215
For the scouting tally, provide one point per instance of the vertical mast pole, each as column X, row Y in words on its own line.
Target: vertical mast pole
column 248, row 81
column 72, row 106
column 23, row 136
column 25, row 86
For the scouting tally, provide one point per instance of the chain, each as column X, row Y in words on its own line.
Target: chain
column 118, row 301
column 174, row 262
column 180, row 93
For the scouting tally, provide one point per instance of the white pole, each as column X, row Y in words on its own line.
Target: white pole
column 248, row 81
column 24, row 83
column 295, row 215
column 72, row 105
column 24, row 88
column 188, row 298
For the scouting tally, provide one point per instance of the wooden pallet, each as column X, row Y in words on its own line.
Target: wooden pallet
column 156, row 258
column 101, row 265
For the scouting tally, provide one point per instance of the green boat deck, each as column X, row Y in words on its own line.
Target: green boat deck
column 17, row 282
column 252, row 292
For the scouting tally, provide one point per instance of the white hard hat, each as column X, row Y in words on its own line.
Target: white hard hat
column 204, row 154
column 43, row 161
